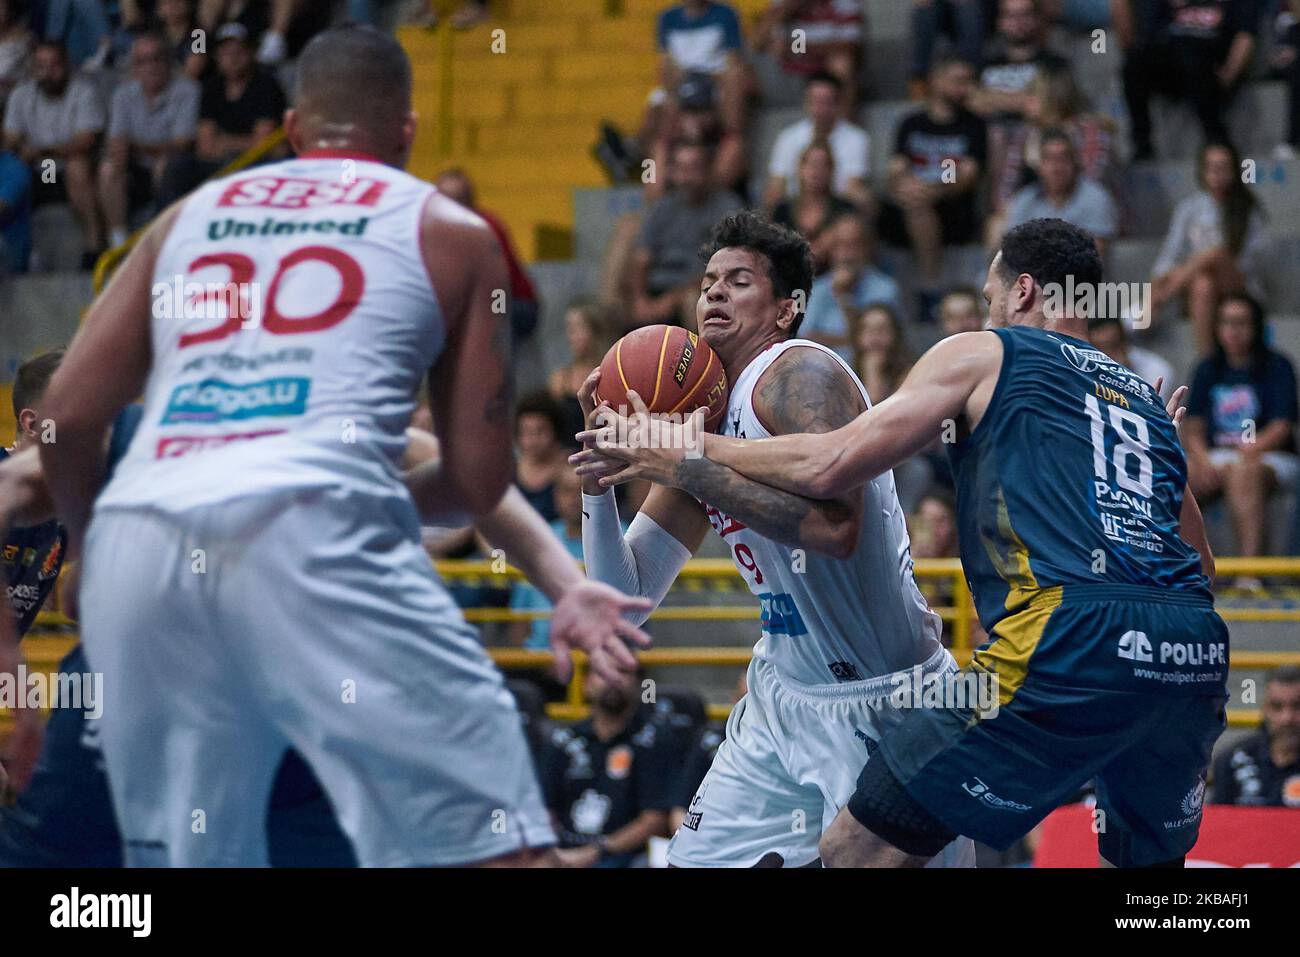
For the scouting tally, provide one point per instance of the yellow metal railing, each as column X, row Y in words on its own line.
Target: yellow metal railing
column 57, row 636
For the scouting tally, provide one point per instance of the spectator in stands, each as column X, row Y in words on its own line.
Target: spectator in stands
column 852, row 284
column 541, row 451
column 666, row 269
column 1263, row 769
column 175, row 20
column 1062, row 192
column 1021, row 56
column 524, row 596
column 1215, row 245
column 933, row 526
column 696, row 119
column 965, row 21
column 823, row 120
column 83, row 28
column 1287, row 63
column 15, row 213
column 960, row 310
column 525, row 304
column 16, row 42
column 881, row 357
column 58, row 117
column 1241, row 419
column 700, row 36
column 1055, row 102
column 153, row 119
column 268, row 22
column 831, row 33
column 1110, row 335
column 587, row 329
column 240, row 104
column 1197, row 50
column 814, row 208
column 608, row 780
column 940, row 154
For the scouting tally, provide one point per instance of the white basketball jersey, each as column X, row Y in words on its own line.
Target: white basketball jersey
column 826, row 619
column 303, row 373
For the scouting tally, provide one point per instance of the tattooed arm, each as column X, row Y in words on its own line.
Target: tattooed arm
column 805, row 390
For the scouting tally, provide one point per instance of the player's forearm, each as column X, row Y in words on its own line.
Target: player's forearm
column 1191, row 528
column 793, row 463
column 516, row 528
column 74, row 473
column 829, row 527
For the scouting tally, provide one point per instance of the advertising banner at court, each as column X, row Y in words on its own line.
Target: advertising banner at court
column 1230, row 837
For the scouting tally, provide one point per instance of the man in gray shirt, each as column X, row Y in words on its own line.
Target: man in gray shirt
column 666, row 268
column 153, row 117
column 58, row 118
column 1062, row 193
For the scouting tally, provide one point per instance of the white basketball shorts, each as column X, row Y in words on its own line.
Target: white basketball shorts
column 312, row 620
column 790, row 761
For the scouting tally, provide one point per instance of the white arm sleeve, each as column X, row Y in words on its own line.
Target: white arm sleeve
column 644, row 562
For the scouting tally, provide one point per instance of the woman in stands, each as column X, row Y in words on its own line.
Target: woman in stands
column 1215, row 245
column 587, row 329
column 812, row 211
column 1241, row 418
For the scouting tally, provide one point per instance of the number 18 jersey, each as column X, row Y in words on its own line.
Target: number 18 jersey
column 293, row 320
column 1074, row 476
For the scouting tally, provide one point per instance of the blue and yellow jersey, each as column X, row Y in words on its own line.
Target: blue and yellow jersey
column 1073, row 477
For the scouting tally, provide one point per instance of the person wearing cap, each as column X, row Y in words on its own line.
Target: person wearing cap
column 241, row 104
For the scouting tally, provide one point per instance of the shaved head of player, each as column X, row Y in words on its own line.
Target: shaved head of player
column 353, row 92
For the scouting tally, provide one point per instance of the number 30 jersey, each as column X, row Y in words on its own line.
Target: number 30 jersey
column 293, row 320
column 827, row 619
column 1074, row 476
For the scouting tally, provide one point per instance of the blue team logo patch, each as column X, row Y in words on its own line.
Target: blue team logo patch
column 215, row 401
column 780, row 616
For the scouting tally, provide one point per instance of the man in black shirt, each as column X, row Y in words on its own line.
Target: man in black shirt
column 241, row 105
column 608, row 781
column 1184, row 49
column 939, row 156
column 1021, row 55
column 1264, row 768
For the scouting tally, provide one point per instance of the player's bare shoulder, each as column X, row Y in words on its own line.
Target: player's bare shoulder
column 806, row 390
column 457, row 245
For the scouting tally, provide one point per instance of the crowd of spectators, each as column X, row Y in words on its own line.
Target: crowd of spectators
column 1001, row 131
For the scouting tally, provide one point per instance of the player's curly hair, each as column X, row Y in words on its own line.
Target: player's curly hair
column 1050, row 251
column 789, row 257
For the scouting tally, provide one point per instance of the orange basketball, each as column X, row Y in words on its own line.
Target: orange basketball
column 674, row 371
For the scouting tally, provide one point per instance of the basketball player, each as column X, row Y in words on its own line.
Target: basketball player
column 62, row 814
column 1087, row 557
column 842, row 615
column 253, row 578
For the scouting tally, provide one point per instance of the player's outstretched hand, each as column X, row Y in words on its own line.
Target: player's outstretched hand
column 650, row 447
column 1177, row 411
column 589, row 617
